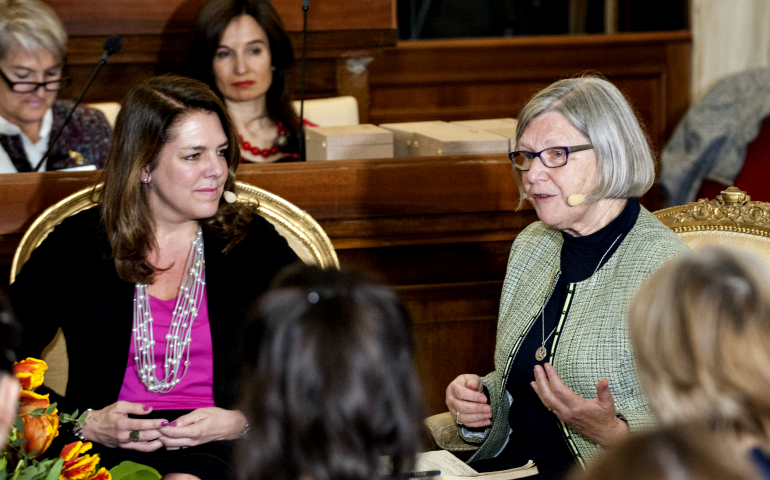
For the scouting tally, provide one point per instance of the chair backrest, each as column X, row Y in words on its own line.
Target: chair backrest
column 302, row 232
column 330, row 112
column 109, row 109
column 730, row 219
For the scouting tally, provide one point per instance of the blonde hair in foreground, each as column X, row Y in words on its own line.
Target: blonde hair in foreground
column 701, row 330
column 689, row 452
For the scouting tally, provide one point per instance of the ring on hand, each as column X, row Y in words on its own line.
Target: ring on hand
column 457, row 419
column 134, row 436
column 550, row 409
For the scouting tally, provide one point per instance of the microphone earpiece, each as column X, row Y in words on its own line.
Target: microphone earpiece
column 576, row 199
column 229, row 196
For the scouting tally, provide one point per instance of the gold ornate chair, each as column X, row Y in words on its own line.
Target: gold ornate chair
column 730, row 219
column 302, row 232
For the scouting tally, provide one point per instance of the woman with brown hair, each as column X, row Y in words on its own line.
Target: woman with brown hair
column 151, row 288
column 241, row 51
column 701, row 330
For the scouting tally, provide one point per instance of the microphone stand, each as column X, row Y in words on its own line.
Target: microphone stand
column 99, row 65
column 302, row 157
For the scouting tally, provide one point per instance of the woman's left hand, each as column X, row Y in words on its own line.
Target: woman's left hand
column 203, row 425
column 593, row 418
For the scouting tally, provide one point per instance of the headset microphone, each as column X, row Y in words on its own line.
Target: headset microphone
column 576, row 199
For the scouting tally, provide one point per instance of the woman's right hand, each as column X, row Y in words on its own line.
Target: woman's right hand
column 467, row 403
column 111, row 426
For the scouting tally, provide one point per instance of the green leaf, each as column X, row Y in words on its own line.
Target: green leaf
column 33, row 453
column 18, row 423
column 28, row 473
column 134, row 471
column 83, row 417
column 55, row 471
column 37, row 412
column 3, row 474
column 18, row 442
column 50, row 409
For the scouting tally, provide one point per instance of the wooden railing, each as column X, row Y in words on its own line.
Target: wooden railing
column 438, row 229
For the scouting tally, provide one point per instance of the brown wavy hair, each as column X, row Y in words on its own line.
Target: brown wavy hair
column 146, row 122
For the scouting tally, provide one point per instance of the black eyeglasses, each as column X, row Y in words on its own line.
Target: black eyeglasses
column 553, row 157
column 29, row 87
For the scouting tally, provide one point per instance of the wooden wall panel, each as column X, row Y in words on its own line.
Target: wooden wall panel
column 151, row 17
column 438, row 229
column 488, row 78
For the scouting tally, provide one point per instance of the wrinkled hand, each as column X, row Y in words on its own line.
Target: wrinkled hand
column 203, row 425
column 111, row 426
column 593, row 418
column 465, row 396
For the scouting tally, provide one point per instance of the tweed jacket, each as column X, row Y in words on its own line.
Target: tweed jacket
column 593, row 343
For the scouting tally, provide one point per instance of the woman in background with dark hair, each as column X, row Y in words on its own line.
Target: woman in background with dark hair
column 334, row 386
column 152, row 287
column 241, row 51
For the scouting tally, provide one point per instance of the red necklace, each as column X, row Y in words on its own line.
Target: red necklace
column 280, row 141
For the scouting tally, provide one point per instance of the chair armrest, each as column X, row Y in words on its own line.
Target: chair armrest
column 446, row 434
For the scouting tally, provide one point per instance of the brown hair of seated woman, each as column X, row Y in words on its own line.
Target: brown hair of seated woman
column 146, row 119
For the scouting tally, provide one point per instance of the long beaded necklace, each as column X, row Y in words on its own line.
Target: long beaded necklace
column 178, row 338
column 279, row 142
column 541, row 352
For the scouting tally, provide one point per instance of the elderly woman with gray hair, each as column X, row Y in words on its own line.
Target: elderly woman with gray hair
column 565, row 381
column 33, row 45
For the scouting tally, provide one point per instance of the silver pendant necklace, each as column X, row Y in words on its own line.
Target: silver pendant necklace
column 541, row 352
column 177, row 357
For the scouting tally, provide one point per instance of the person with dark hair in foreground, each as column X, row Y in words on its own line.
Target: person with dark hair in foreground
column 9, row 385
column 333, row 387
column 152, row 287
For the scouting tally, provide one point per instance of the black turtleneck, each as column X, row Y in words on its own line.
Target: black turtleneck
column 536, row 432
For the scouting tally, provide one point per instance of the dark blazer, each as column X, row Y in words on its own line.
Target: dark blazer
column 69, row 283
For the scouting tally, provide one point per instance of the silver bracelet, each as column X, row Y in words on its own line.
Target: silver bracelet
column 77, row 429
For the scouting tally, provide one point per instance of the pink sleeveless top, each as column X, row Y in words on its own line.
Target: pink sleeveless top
column 196, row 390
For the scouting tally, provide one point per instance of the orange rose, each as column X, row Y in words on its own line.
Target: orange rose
column 30, row 372
column 38, row 430
column 77, row 467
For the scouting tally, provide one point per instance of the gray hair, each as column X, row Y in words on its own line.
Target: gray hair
column 32, row 25
column 600, row 112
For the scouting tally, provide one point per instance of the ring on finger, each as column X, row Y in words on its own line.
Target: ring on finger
column 550, row 409
column 134, row 436
column 457, row 419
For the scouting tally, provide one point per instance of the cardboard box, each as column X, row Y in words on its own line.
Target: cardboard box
column 403, row 136
column 505, row 127
column 453, row 139
column 348, row 142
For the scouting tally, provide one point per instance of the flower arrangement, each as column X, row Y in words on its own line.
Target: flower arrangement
column 36, row 425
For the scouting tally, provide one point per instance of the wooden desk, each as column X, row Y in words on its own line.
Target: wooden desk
column 438, row 229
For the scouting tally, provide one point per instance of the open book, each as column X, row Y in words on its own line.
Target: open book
column 452, row 468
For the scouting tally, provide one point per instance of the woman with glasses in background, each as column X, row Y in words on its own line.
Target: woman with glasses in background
column 565, row 381
column 33, row 46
